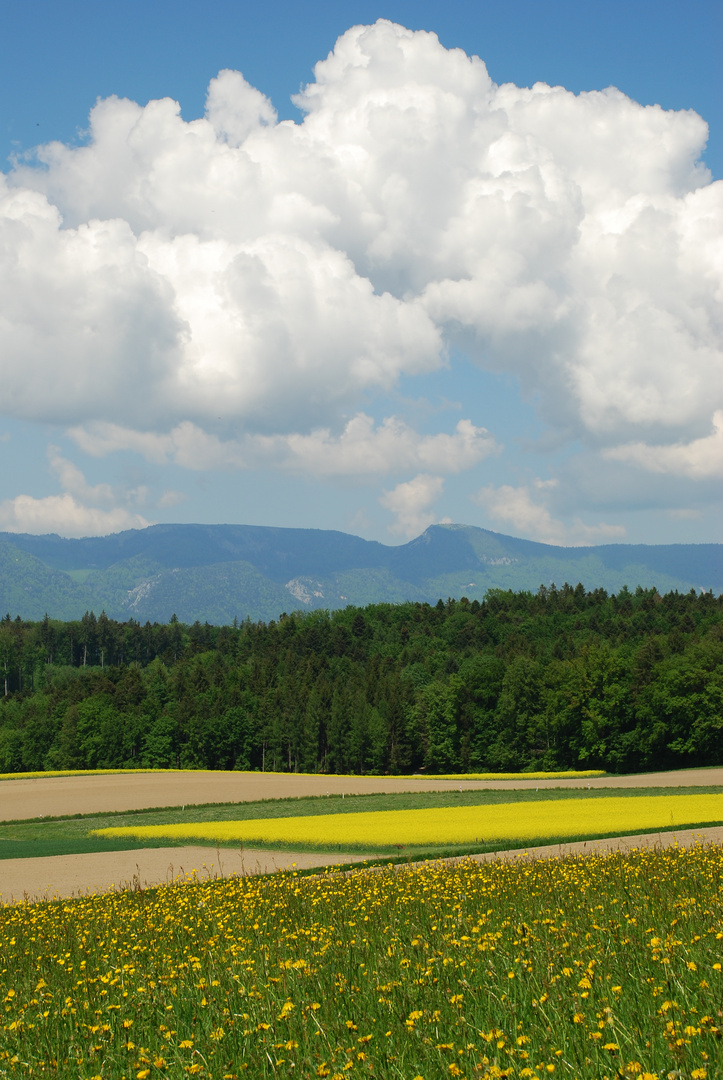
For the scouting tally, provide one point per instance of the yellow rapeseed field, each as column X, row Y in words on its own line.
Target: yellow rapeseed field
column 79, row 772
column 519, row 822
column 569, row 775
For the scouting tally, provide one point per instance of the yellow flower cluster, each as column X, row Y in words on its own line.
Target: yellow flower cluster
column 569, row 775
column 79, row 772
column 518, row 822
column 582, row 967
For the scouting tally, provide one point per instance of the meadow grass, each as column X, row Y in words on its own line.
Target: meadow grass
column 69, row 835
column 514, row 824
column 581, row 967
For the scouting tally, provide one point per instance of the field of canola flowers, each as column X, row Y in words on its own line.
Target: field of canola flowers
column 567, row 774
column 582, row 967
column 519, row 822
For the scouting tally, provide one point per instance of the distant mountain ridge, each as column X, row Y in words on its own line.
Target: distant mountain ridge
column 216, row 573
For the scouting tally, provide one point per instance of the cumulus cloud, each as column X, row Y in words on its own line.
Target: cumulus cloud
column 393, row 446
column 701, row 459
column 271, row 273
column 82, row 509
column 235, row 109
column 361, row 449
column 64, row 515
column 100, row 323
column 235, row 293
column 411, row 504
column 517, row 508
column 73, row 481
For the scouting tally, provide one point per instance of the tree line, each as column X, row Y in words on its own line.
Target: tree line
column 561, row 678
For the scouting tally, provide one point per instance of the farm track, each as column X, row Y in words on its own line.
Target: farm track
column 68, row 875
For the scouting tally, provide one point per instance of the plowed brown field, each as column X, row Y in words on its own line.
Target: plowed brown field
column 67, row 875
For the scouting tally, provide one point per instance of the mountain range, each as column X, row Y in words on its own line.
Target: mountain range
column 215, row 573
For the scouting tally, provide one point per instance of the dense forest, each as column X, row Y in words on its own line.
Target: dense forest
column 561, row 678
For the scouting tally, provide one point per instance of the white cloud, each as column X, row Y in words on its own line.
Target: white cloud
column 235, row 109
column 101, row 438
column 362, row 448
column 236, row 293
column 73, row 481
column 392, row 447
column 171, row 498
column 82, row 509
column 101, row 324
column 515, row 507
column 595, row 534
column 411, row 504
column 271, row 273
column 700, row 459
column 64, row 515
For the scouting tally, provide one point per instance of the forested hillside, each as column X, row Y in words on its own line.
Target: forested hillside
column 556, row 679
column 221, row 572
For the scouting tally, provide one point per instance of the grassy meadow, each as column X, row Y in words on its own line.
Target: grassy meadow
column 581, row 967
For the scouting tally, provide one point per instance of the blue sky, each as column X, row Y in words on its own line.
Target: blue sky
column 432, row 294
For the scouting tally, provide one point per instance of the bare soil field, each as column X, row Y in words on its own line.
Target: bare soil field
column 65, row 876
column 55, row 796
column 73, row 875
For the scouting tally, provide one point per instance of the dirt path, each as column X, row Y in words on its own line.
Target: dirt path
column 53, row 796
column 64, row 876
column 684, row 838
column 70, row 875
column 77, row 875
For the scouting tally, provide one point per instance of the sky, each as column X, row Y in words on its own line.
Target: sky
column 363, row 266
